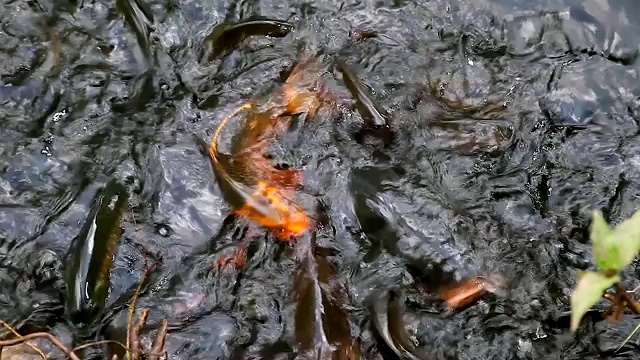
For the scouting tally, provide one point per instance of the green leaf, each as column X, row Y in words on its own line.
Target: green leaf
column 589, row 290
column 627, row 234
column 599, row 228
column 604, row 251
column 615, row 249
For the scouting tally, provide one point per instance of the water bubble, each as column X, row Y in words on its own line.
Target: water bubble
column 524, row 346
column 163, row 230
column 58, row 116
column 540, row 334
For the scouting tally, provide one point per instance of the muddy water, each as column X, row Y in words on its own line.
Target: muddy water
column 512, row 122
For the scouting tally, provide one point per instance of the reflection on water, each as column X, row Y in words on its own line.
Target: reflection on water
column 511, row 122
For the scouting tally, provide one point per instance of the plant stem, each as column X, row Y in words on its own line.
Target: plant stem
column 627, row 299
column 47, row 336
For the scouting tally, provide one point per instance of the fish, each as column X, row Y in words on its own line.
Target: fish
column 89, row 258
column 360, row 35
column 321, row 324
column 263, row 203
column 259, row 131
column 462, row 294
column 387, row 316
column 471, row 289
column 228, row 34
column 139, row 17
column 304, row 90
column 250, row 183
column 374, row 115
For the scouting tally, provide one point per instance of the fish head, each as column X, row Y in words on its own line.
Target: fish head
column 303, row 88
column 301, row 101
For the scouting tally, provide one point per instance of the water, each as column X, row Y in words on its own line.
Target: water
column 514, row 121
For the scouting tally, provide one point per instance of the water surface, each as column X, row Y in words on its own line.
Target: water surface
column 514, row 121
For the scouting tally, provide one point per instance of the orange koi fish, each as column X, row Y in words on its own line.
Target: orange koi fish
column 265, row 204
column 304, row 90
column 260, row 129
column 470, row 290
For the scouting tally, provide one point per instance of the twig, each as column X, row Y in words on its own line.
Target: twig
column 103, row 342
column 627, row 299
column 155, row 353
column 47, row 336
column 132, row 305
column 627, row 339
column 134, row 334
column 634, row 290
column 158, row 343
column 619, row 311
column 35, row 348
column 615, row 300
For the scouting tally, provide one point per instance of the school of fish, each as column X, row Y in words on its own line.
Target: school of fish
column 268, row 197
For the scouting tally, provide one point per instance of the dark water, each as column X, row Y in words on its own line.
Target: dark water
column 514, row 122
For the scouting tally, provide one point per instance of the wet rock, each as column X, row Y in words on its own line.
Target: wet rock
column 204, row 338
column 522, row 218
column 19, row 352
column 523, row 34
column 18, row 58
column 610, row 335
column 628, row 200
column 428, row 247
column 188, row 200
column 592, row 92
column 473, row 137
column 585, row 176
column 604, row 28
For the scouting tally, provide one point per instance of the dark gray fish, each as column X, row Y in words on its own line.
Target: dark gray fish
column 374, row 115
column 387, row 314
column 228, row 35
column 89, row 259
column 321, row 327
column 139, row 17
